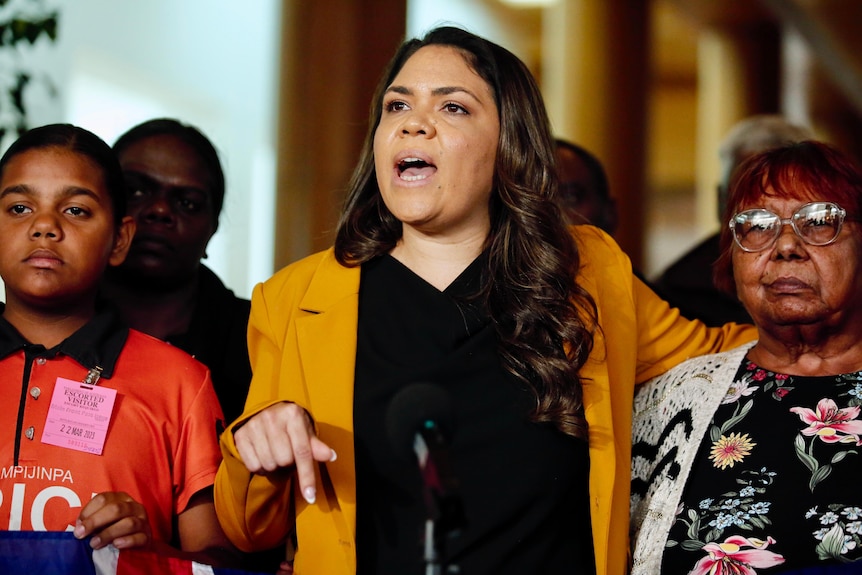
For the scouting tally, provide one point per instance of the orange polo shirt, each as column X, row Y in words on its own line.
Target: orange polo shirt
column 161, row 445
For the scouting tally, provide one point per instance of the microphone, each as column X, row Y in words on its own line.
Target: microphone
column 420, row 421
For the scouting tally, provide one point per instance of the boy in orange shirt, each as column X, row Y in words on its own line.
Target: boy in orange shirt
column 115, row 433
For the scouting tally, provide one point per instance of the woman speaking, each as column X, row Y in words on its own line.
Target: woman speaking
column 451, row 268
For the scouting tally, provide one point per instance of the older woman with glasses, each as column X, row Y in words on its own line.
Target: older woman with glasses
column 748, row 461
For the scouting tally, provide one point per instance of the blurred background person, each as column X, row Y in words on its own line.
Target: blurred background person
column 584, row 194
column 687, row 283
column 748, row 461
column 176, row 191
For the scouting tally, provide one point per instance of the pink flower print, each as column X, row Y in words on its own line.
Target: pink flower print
column 831, row 424
column 737, row 390
column 737, row 556
column 781, row 392
column 759, row 375
column 781, row 376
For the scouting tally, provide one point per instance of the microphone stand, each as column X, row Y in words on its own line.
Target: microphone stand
column 445, row 512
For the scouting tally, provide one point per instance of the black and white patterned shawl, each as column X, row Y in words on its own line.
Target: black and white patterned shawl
column 671, row 415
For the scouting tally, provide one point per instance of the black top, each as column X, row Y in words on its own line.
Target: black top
column 524, row 485
column 217, row 338
column 775, row 483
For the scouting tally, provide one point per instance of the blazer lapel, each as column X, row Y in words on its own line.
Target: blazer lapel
column 327, row 349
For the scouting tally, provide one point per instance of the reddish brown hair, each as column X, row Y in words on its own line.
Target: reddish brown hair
column 808, row 171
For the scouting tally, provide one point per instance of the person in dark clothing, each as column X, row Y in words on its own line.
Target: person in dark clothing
column 687, row 283
column 176, row 190
column 584, row 195
column 217, row 338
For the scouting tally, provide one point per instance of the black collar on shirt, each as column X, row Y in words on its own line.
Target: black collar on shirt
column 98, row 343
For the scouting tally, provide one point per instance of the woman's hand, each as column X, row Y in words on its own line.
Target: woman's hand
column 114, row 517
column 282, row 436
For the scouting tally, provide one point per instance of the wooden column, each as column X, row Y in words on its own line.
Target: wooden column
column 595, row 81
column 738, row 75
column 333, row 54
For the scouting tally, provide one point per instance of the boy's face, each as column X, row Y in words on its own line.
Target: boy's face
column 57, row 231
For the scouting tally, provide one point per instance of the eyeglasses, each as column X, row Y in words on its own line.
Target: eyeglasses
column 817, row 224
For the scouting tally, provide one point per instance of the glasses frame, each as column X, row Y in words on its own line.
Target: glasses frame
column 841, row 214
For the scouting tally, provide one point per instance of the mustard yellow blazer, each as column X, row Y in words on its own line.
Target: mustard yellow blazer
column 302, row 343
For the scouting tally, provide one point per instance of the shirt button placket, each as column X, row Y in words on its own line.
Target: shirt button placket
column 35, row 392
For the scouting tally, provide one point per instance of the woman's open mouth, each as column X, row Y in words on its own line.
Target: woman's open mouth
column 413, row 169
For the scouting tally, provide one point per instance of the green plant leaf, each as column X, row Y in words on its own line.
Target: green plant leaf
column 49, row 27
column 831, row 544
column 842, row 454
column 713, row 534
column 757, row 522
column 738, row 417
column 799, row 447
column 16, row 92
column 714, row 433
column 692, row 545
column 819, row 476
column 19, row 26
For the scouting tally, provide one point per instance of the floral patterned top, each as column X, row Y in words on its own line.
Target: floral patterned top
column 775, row 483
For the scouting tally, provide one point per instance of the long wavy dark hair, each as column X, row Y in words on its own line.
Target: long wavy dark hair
column 544, row 320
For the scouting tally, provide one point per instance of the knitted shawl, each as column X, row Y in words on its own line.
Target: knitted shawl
column 671, row 415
